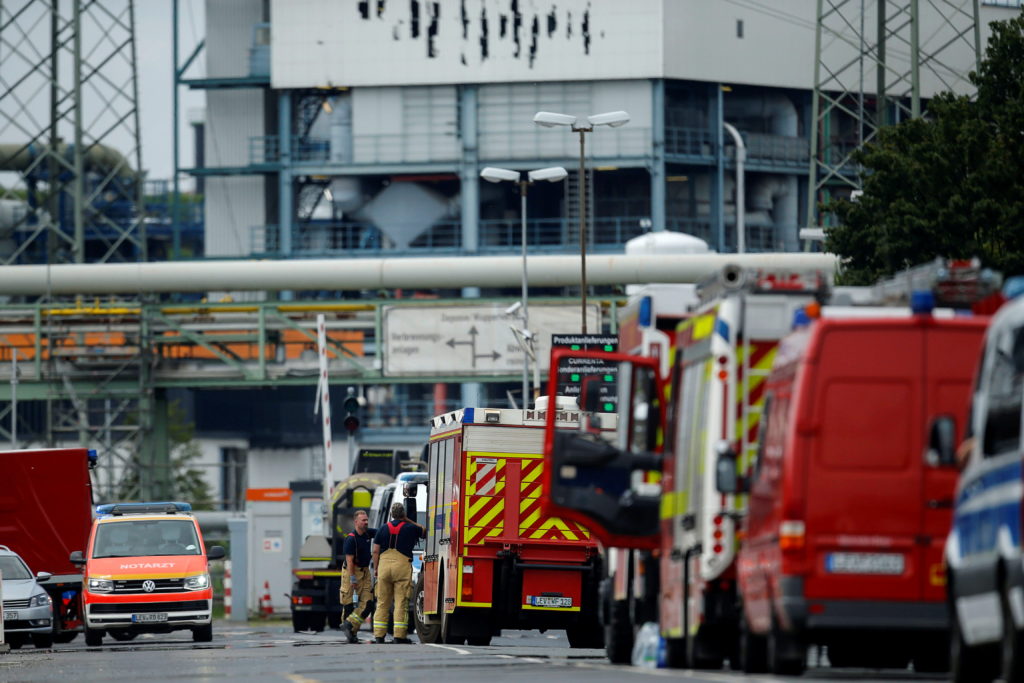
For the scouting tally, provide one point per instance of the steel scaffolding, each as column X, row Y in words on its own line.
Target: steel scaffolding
column 873, row 58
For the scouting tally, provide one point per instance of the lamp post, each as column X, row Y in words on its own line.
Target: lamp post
column 550, row 120
column 551, row 175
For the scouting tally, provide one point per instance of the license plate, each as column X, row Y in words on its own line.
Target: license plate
column 542, row 601
column 864, row 563
column 150, row 618
column 10, row 616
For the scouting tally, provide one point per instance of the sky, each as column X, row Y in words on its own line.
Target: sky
column 154, row 66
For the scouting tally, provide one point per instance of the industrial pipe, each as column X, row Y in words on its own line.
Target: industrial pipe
column 388, row 273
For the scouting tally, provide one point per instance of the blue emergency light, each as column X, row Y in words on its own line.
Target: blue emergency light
column 118, row 509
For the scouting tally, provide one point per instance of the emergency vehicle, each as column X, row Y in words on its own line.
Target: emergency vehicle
column 713, row 394
column 983, row 550
column 849, row 502
column 146, row 569
column 493, row 560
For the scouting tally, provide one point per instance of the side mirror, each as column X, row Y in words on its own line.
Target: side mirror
column 43, row 576
column 411, row 489
column 215, row 552
column 77, row 558
column 410, row 508
column 942, row 442
column 726, row 478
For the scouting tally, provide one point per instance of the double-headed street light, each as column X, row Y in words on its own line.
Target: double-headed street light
column 550, row 120
column 551, row 175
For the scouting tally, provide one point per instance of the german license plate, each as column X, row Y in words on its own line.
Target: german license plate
column 150, row 618
column 543, row 601
column 10, row 616
column 864, row 563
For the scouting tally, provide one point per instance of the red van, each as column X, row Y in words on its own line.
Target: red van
column 849, row 501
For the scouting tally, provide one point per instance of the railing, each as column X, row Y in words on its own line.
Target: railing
column 543, row 235
column 266, row 149
column 628, row 141
column 777, row 149
column 689, row 141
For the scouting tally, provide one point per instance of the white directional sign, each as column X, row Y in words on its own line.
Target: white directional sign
column 472, row 339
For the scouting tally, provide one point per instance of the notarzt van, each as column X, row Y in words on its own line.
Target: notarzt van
column 146, row 570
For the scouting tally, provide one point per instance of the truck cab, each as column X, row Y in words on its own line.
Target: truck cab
column 146, row 569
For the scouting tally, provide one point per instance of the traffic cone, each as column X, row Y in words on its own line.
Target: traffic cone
column 227, row 589
column 266, row 609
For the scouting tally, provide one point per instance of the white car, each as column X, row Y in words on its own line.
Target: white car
column 28, row 609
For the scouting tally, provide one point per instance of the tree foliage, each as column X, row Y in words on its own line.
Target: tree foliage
column 950, row 184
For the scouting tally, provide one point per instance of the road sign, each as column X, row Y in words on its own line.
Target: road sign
column 471, row 340
column 574, row 371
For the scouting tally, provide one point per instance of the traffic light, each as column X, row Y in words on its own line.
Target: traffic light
column 352, row 404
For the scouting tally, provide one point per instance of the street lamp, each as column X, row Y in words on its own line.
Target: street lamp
column 550, row 120
column 551, row 175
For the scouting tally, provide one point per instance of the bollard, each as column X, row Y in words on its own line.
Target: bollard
column 227, row 589
column 266, row 608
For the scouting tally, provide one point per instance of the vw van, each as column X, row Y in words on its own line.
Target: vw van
column 146, row 571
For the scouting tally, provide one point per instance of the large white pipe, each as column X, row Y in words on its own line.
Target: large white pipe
column 388, row 273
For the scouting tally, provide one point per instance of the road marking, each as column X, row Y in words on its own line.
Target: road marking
column 449, row 647
column 296, row 678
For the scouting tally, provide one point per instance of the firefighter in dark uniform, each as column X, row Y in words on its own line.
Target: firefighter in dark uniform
column 355, row 575
column 392, row 565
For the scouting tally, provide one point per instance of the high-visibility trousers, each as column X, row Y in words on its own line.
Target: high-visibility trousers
column 363, row 589
column 394, row 579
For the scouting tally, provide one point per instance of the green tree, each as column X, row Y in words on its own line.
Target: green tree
column 949, row 185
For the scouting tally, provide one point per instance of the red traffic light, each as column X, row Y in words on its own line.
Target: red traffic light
column 351, row 423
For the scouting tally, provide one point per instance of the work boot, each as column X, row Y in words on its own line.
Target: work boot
column 379, row 640
column 402, row 641
column 346, row 627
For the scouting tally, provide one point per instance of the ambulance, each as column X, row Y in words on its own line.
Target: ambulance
column 146, row 570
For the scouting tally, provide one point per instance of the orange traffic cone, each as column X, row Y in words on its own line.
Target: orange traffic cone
column 266, row 609
column 227, row 589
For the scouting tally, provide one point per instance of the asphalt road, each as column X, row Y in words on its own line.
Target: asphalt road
column 272, row 652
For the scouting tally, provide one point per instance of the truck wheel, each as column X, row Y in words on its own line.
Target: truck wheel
column 428, row 633
column 753, row 650
column 300, row 622
column 93, row 637
column 334, row 620
column 451, row 634
column 931, row 655
column 585, row 635
column 786, row 655
column 618, row 633
column 701, row 653
column 202, row 634
column 1013, row 644
column 42, row 641
column 479, row 641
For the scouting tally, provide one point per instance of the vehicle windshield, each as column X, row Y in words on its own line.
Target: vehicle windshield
column 132, row 538
column 13, row 568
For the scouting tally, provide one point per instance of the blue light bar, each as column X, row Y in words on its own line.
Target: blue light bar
column 467, row 416
column 922, row 302
column 165, row 507
column 646, row 314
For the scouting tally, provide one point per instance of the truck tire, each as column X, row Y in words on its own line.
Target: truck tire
column 786, row 655
column 42, row 641
column 202, row 634
column 300, row 622
column 334, row 620
column 428, row 632
column 618, row 633
column 93, row 637
column 589, row 635
column 451, row 630
column 1013, row 643
column 753, row 650
column 479, row 641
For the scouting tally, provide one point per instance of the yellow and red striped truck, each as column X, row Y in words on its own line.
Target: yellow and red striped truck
column 493, row 560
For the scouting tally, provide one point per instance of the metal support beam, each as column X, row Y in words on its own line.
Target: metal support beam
column 468, row 169
column 657, row 166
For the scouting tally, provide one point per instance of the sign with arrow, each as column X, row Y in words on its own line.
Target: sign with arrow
column 471, row 340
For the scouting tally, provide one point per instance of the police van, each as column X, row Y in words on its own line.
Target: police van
column 985, row 577
column 146, row 569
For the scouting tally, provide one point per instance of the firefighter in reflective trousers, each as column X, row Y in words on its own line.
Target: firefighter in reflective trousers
column 392, row 565
column 355, row 575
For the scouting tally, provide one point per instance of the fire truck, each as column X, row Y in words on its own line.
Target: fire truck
column 493, row 560
column 682, row 531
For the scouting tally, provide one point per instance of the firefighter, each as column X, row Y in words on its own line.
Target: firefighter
column 392, row 566
column 355, row 575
